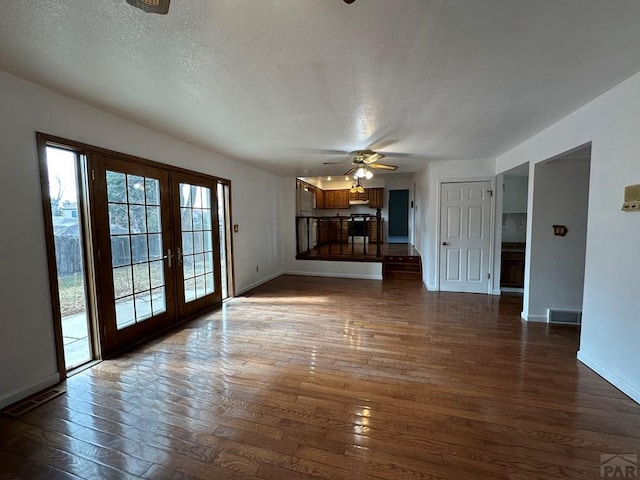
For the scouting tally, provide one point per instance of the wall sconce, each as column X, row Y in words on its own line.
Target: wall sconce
column 560, row 230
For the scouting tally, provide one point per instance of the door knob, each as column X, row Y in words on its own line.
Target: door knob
column 445, row 244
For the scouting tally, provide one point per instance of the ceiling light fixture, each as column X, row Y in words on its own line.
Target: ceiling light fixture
column 151, row 6
column 356, row 187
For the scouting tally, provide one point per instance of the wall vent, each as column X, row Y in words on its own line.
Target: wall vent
column 564, row 317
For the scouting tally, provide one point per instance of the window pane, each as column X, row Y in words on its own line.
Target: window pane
column 139, row 248
column 206, row 219
column 135, row 189
column 122, row 282
column 143, row 306
column 137, row 219
column 155, row 246
column 118, row 219
column 197, row 242
column 116, row 187
column 208, row 241
column 187, row 243
column 125, row 312
column 206, row 198
column 185, row 199
column 152, row 191
column 153, row 220
column 199, row 264
column 210, row 286
column 141, row 280
column 189, row 290
column 197, row 219
column 120, row 251
column 185, row 216
column 158, row 302
column 208, row 262
column 200, row 290
column 187, row 266
column 156, row 270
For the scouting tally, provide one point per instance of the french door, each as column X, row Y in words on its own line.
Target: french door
column 156, row 256
column 197, row 243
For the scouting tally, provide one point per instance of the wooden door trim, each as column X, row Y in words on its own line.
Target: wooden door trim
column 52, row 268
column 87, row 150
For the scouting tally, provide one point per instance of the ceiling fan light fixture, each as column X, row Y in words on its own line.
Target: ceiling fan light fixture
column 151, row 6
column 360, row 173
column 368, row 174
column 360, row 189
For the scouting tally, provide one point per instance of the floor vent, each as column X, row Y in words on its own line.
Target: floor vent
column 28, row 404
column 564, row 317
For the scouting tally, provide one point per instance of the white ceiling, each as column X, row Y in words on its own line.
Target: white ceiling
column 285, row 84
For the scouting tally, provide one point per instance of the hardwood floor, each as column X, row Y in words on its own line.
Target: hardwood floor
column 336, row 379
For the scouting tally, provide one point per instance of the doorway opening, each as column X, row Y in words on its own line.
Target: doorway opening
column 398, row 216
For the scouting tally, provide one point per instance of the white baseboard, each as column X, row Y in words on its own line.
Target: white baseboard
column 17, row 395
column 610, row 377
column 335, row 275
column 257, row 284
column 533, row 318
column 496, row 291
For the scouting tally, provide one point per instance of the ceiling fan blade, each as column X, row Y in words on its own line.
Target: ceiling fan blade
column 350, row 171
column 335, row 163
column 373, row 158
column 382, row 166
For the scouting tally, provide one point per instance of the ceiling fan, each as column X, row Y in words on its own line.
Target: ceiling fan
column 151, row 6
column 361, row 160
column 162, row 6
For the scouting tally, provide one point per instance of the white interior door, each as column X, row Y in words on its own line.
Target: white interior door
column 465, row 222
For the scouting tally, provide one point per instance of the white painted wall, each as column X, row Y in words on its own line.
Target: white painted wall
column 556, row 275
column 27, row 352
column 610, row 332
column 427, row 204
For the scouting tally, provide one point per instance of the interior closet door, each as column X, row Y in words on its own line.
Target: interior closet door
column 198, row 277
column 135, row 261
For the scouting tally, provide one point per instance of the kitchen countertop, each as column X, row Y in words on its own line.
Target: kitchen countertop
column 513, row 246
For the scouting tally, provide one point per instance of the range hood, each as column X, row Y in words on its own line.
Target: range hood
column 358, row 202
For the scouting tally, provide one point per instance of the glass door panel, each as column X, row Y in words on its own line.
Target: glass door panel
column 197, row 243
column 132, row 225
column 68, row 236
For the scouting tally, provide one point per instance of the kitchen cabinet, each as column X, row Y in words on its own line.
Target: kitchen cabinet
column 319, row 198
column 375, row 197
column 512, row 266
column 335, row 199
column 373, row 231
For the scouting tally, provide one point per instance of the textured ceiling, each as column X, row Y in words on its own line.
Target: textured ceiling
column 287, row 84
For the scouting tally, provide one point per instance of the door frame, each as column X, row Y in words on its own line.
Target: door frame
column 440, row 182
column 43, row 140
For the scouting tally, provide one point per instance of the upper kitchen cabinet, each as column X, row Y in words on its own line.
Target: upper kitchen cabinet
column 515, row 194
column 376, row 197
column 335, row 199
column 319, row 198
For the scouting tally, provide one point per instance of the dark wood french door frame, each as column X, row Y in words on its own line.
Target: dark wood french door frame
column 110, row 339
